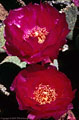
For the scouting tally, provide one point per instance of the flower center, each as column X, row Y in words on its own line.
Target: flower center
column 39, row 33
column 44, row 94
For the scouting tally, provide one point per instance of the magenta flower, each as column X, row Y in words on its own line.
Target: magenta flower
column 76, row 2
column 35, row 32
column 43, row 91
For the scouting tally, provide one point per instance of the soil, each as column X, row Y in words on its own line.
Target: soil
column 3, row 13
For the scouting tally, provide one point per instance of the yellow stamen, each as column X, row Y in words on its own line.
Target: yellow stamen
column 37, row 32
column 44, row 94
